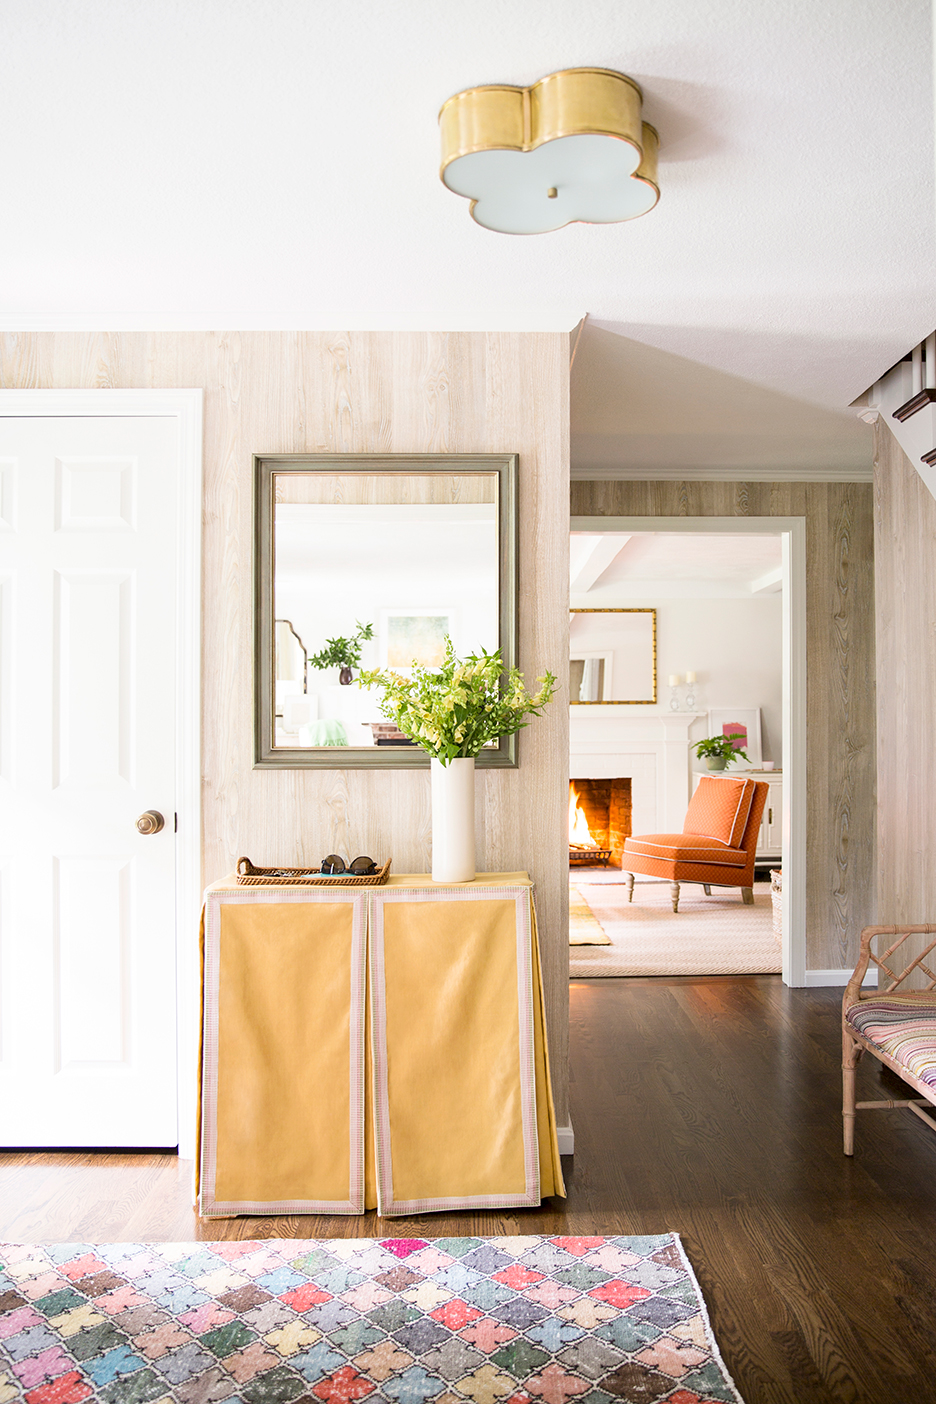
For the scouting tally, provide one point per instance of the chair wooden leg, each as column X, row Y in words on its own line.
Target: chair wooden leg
column 707, row 889
column 674, row 893
column 630, row 886
column 851, row 1052
column 747, row 896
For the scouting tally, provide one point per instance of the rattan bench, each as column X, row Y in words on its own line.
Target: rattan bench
column 896, row 1026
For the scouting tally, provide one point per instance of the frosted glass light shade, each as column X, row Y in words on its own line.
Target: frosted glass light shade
column 572, row 147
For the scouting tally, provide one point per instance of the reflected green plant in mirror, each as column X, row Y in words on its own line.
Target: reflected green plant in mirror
column 342, row 653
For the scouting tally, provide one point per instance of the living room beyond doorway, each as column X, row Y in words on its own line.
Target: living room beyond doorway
column 709, row 661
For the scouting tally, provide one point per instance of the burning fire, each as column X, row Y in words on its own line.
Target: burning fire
column 580, row 836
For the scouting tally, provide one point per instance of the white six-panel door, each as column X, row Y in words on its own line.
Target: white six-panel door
column 87, row 712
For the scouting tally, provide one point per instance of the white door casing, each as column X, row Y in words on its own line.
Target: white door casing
column 98, row 722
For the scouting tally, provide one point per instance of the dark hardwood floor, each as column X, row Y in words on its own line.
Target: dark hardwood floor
column 708, row 1107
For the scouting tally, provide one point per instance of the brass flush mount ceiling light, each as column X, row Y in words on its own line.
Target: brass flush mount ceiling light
column 570, row 147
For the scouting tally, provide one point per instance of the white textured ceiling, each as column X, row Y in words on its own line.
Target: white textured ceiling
column 273, row 163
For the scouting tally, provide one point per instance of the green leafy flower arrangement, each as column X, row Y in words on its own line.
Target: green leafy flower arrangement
column 453, row 711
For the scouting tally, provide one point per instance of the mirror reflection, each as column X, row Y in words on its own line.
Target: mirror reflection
column 370, row 569
column 291, row 657
column 612, row 656
column 375, row 583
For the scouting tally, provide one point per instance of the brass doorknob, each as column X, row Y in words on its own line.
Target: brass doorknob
column 151, row 822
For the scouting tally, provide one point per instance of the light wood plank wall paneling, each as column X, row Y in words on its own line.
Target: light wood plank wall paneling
column 362, row 392
column 840, row 879
column 905, row 583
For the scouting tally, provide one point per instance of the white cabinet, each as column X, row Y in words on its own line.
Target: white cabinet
column 769, row 841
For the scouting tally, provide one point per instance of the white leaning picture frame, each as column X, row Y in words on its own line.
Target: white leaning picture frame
column 724, row 720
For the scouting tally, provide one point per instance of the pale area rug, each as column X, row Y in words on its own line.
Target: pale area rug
column 584, row 926
column 715, row 935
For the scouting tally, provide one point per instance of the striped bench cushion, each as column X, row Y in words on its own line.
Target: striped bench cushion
column 685, row 848
column 903, row 1027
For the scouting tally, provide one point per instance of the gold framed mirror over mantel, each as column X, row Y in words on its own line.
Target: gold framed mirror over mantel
column 612, row 657
column 391, row 552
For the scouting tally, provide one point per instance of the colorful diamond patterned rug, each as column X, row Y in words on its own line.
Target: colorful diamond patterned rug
column 333, row 1321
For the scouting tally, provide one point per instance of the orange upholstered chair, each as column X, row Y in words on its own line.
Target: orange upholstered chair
column 717, row 844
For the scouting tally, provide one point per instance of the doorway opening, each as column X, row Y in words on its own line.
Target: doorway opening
column 728, row 598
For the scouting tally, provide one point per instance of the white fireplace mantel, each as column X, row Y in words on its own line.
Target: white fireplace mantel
column 652, row 750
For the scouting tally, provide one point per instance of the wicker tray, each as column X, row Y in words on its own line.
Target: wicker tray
column 249, row 876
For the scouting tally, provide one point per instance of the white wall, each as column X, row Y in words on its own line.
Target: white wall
column 734, row 648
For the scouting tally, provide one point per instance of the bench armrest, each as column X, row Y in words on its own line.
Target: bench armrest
column 886, row 963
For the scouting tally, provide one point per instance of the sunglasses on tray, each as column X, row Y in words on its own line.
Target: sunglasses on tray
column 358, row 867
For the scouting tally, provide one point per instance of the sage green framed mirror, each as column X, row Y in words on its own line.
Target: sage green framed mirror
column 362, row 561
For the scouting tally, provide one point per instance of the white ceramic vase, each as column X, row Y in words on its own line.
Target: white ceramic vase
column 453, row 820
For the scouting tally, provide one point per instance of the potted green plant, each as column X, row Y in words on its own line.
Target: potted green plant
column 452, row 712
column 343, row 653
column 717, row 751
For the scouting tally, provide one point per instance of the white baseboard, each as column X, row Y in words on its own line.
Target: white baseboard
column 705, row 472
column 838, row 977
column 566, row 1138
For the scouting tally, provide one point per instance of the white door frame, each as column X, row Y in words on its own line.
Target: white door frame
column 792, row 532
column 186, row 408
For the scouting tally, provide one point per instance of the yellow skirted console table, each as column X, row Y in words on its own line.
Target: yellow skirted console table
column 374, row 1047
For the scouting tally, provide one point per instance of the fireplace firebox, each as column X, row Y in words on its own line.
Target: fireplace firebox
column 599, row 820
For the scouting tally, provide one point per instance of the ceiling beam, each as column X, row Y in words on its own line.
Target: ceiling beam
column 769, row 584
column 603, row 551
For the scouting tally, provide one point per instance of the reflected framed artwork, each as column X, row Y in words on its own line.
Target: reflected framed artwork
column 414, row 636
